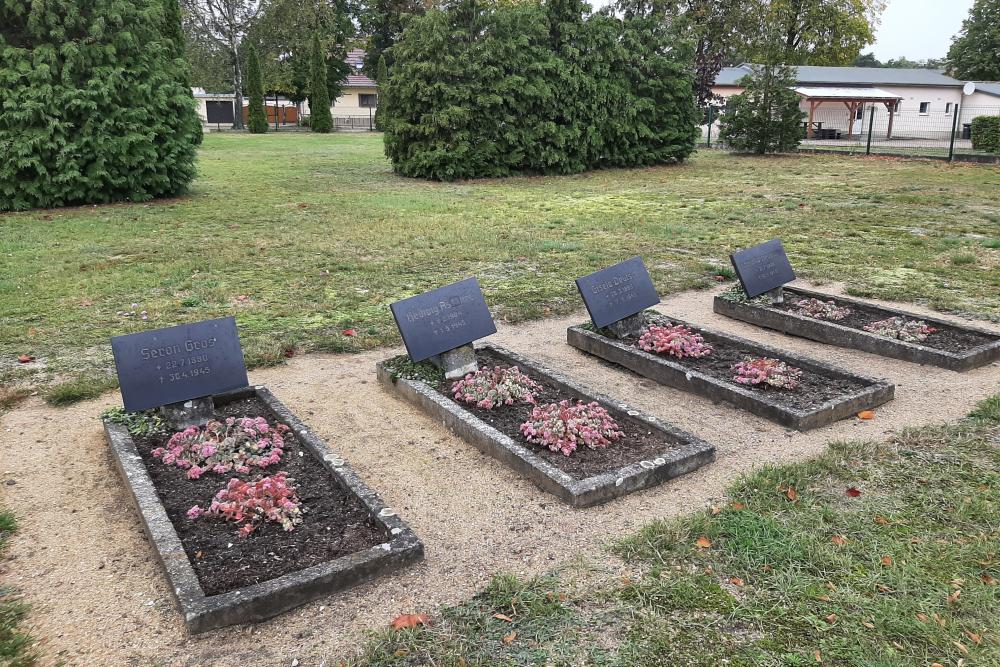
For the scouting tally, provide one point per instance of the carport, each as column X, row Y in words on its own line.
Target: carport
column 852, row 98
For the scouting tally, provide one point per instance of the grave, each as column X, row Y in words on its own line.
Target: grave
column 763, row 269
column 345, row 535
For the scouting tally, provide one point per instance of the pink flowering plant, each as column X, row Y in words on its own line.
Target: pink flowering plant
column 900, row 328
column 820, row 310
column 766, row 371
column 490, row 387
column 235, row 445
column 563, row 426
column 674, row 340
column 252, row 503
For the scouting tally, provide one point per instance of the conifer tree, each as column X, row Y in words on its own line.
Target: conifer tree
column 382, row 79
column 94, row 103
column 765, row 117
column 320, row 119
column 256, row 115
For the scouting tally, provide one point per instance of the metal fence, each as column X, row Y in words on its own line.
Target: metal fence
column 942, row 134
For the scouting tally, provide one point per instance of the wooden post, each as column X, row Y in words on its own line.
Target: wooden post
column 891, row 106
column 812, row 108
column 852, row 107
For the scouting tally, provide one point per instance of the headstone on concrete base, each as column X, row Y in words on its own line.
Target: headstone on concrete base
column 440, row 326
column 616, row 296
column 194, row 412
column 763, row 268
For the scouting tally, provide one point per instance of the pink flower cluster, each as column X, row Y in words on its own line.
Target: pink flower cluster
column 820, row 310
column 222, row 447
column 764, row 370
column 674, row 340
column 563, row 427
column 251, row 503
column 900, row 328
column 488, row 388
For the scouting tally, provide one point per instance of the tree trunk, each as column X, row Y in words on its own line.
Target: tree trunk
column 238, row 88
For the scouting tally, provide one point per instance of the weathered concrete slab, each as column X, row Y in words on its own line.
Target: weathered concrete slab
column 688, row 454
column 260, row 601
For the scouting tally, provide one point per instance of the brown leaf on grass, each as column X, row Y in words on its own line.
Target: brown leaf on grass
column 818, row 656
column 824, row 598
column 853, row 492
column 936, row 664
column 839, row 540
column 25, row 359
column 922, row 617
column 939, row 620
column 830, row 587
column 882, row 588
column 866, row 414
column 503, row 617
column 973, row 637
column 703, row 542
column 953, row 598
column 792, row 494
column 738, row 506
column 887, row 560
column 988, row 580
column 401, row 653
column 716, row 510
column 831, row 619
column 508, row 639
column 410, row 621
column 870, row 626
column 897, row 645
column 32, row 332
column 882, row 521
column 962, row 648
column 736, row 581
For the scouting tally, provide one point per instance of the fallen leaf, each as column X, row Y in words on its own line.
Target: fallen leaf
column 830, row 587
column 936, row 664
column 703, row 542
column 962, row 648
column 350, row 332
column 87, row 303
column 973, row 637
column 503, row 617
column 898, row 645
column 939, row 620
column 401, row 652
column 510, row 638
column 953, row 598
column 716, row 510
column 831, row 619
column 288, row 352
column 738, row 506
column 824, row 598
column 303, row 205
column 988, row 580
column 922, row 617
column 818, row 656
column 32, row 332
column 882, row 521
column 866, row 414
column 852, row 492
column 410, row 621
column 242, row 297
column 870, row 626
column 199, row 554
column 882, row 588
column 791, row 494
column 887, row 560
column 736, row 581
column 839, row 540
column 25, row 359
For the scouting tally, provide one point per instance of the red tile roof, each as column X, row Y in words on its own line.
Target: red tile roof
column 356, row 58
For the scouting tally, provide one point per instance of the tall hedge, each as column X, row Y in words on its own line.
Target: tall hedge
column 256, row 115
column 94, row 103
column 493, row 89
column 986, row 133
column 320, row 118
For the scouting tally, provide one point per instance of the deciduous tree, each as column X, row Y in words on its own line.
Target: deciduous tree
column 975, row 51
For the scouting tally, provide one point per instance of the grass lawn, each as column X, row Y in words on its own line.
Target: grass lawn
column 303, row 236
column 875, row 555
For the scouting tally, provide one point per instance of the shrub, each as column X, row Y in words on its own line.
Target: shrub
column 764, row 370
column 820, row 310
column 221, row 447
column 986, row 134
column 488, row 388
column 493, row 89
column 252, row 503
column 900, row 328
column 320, row 118
column 674, row 340
column 94, row 103
column 256, row 115
column 563, row 427
column 765, row 117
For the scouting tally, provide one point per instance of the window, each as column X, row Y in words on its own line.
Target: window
column 947, row 107
column 860, row 113
column 925, row 108
column 368, row 100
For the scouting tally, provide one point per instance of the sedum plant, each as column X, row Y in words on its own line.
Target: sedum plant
column 252, row 503
column 563, row 427
column 900, row 328
column 674, row 340
column 138, row 424
column 490, row 387
column 221, row 447
column 767, row 371
column 820, row 310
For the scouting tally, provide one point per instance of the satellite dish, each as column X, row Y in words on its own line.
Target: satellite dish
column 969, row 88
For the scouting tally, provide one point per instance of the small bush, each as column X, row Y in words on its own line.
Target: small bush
column 900, row 328
column 674, row 340
column 252, row 503
column 765, row 370
column 221, row 447
column 765, row 117
column 488, row 388
column 563, row 427
column 986, row 134
column 820, row 310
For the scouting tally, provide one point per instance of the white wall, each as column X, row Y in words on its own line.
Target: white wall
column 348, row 104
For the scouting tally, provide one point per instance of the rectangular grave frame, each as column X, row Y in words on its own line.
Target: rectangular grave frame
column 688, row 455
column 831, row 333
column 258, row 602
column 668, row 372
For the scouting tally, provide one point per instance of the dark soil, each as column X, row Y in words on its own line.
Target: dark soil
column 946, row 338
column 639, row 443
column 814, row 389
column 334, row 522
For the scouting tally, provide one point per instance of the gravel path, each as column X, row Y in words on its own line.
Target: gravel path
column 98, row 595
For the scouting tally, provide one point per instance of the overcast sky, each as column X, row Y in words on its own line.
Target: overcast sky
column 919, row 29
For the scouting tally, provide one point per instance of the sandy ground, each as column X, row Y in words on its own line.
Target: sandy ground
column 98, row 597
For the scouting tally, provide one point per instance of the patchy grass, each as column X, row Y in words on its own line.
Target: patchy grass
column 875, row 554
column 302, row 236
column 15, row 645
column 80, row 389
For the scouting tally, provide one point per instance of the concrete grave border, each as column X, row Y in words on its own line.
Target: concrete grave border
column 689, row 454
column 269, row 598
column 674, row 374
column 842, row 336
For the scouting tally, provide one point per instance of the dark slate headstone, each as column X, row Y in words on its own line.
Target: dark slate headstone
column 179, row 363
column 618, row 291
column 762, row 268
column 443, row 319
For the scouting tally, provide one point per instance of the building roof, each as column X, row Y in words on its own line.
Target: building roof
column 356, row 59
column 988, row 87
column 855, row 76
column 830, row 93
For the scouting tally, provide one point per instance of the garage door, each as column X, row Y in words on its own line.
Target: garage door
column 219, row 112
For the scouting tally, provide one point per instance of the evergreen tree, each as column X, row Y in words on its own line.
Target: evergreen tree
column 256, row 115
column 975, row 52
column 765, row 117
column 320, row 119
column 383, row 21
column 94, row 103
column 382, row 79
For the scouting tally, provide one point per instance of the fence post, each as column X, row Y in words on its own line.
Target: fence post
column 871, row 126
column 711, row 109
column 954, row 129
